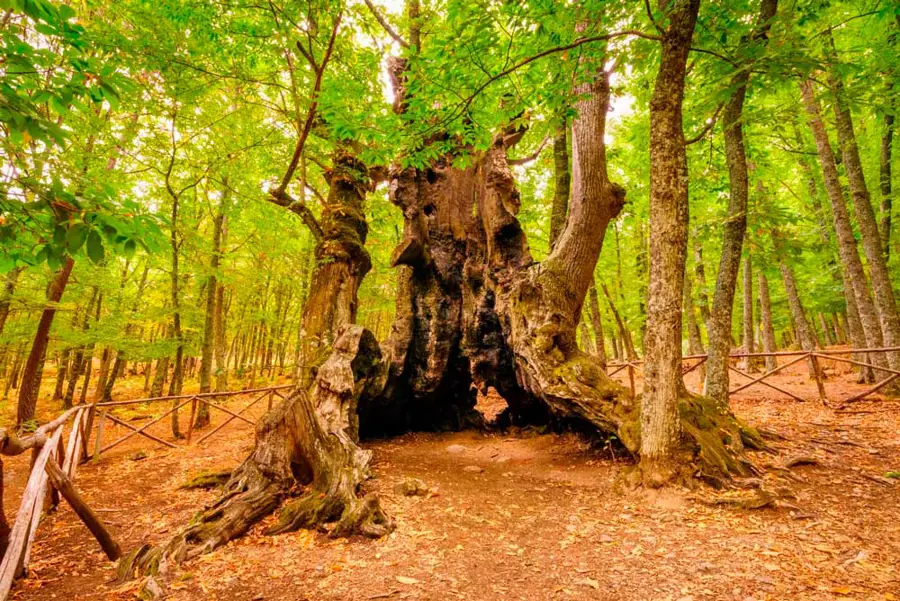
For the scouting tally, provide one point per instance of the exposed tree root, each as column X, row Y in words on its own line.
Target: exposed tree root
column 307, row 442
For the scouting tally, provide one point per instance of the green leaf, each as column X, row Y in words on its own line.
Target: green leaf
column 95, row 249
column 76, row 237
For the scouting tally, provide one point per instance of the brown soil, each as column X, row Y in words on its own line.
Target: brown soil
column 521, row 515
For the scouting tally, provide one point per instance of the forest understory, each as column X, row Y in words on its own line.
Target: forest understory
column 522, row 515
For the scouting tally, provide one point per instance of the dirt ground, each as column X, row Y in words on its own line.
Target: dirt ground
column 521, row 515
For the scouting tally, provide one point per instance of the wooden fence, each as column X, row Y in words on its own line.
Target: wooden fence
column 54, row 462
column 813, row 362
column 102, row 412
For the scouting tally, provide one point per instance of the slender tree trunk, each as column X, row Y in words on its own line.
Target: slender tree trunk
column 13, row 378
column 828, row 335
column 209, row 330
column 31, row 376
column 695, row 341
column 887, row 143
column 839, row 330
column 855, row 275
column 663, row 383
column 9, row 287
column 748, row 364
column 597, row 323
column 175, row 384
column 62, row 367
column 885, row 302
column 702, row 297
column 221, row 350
column 614, row 343
column 798, row 315
column 160, row 377
column 719, row 326
column 765, row 317
column 626, row 344
column 105, row 379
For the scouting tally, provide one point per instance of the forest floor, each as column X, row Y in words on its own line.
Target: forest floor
column 520, row 515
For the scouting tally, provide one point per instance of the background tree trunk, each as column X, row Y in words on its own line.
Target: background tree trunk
column 885, row 302
column 765, row 317
column 719, row 326
column 887, row 144
column 30, row 382
column 748, row 363
column 212, row 295
column 597, row 323
column 561, row 180
column 663, row 384
column 849, row 254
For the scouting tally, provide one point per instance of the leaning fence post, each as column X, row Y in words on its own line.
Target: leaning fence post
column 817, row 373
column 270, row 400
column 98, row 444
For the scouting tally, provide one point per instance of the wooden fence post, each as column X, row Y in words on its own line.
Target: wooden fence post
column 817, row 373
column 87, row 425
column 98, row 444
column 191, row 422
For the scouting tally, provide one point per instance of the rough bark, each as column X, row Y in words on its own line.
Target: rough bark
column 798, row 314
column 9, row 287
column 702, row 296
column 175, row 384
column 854, row 273
column 748, row 363
column 473, row 310
column 887, row 144
column 31, row 374
column 562, row 183
column 310, row 441
column 209, row 326
column 716, row 385
column 765, row 317
column 661, row 432
column 695, row 341
column 883, row 291
column 625, row 340
column 597, row 324
column 341, row 263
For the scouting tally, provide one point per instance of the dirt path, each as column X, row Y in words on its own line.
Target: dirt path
column 523, row 516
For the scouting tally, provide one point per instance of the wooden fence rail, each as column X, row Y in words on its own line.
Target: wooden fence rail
column 54, row 464
column 813, row 366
